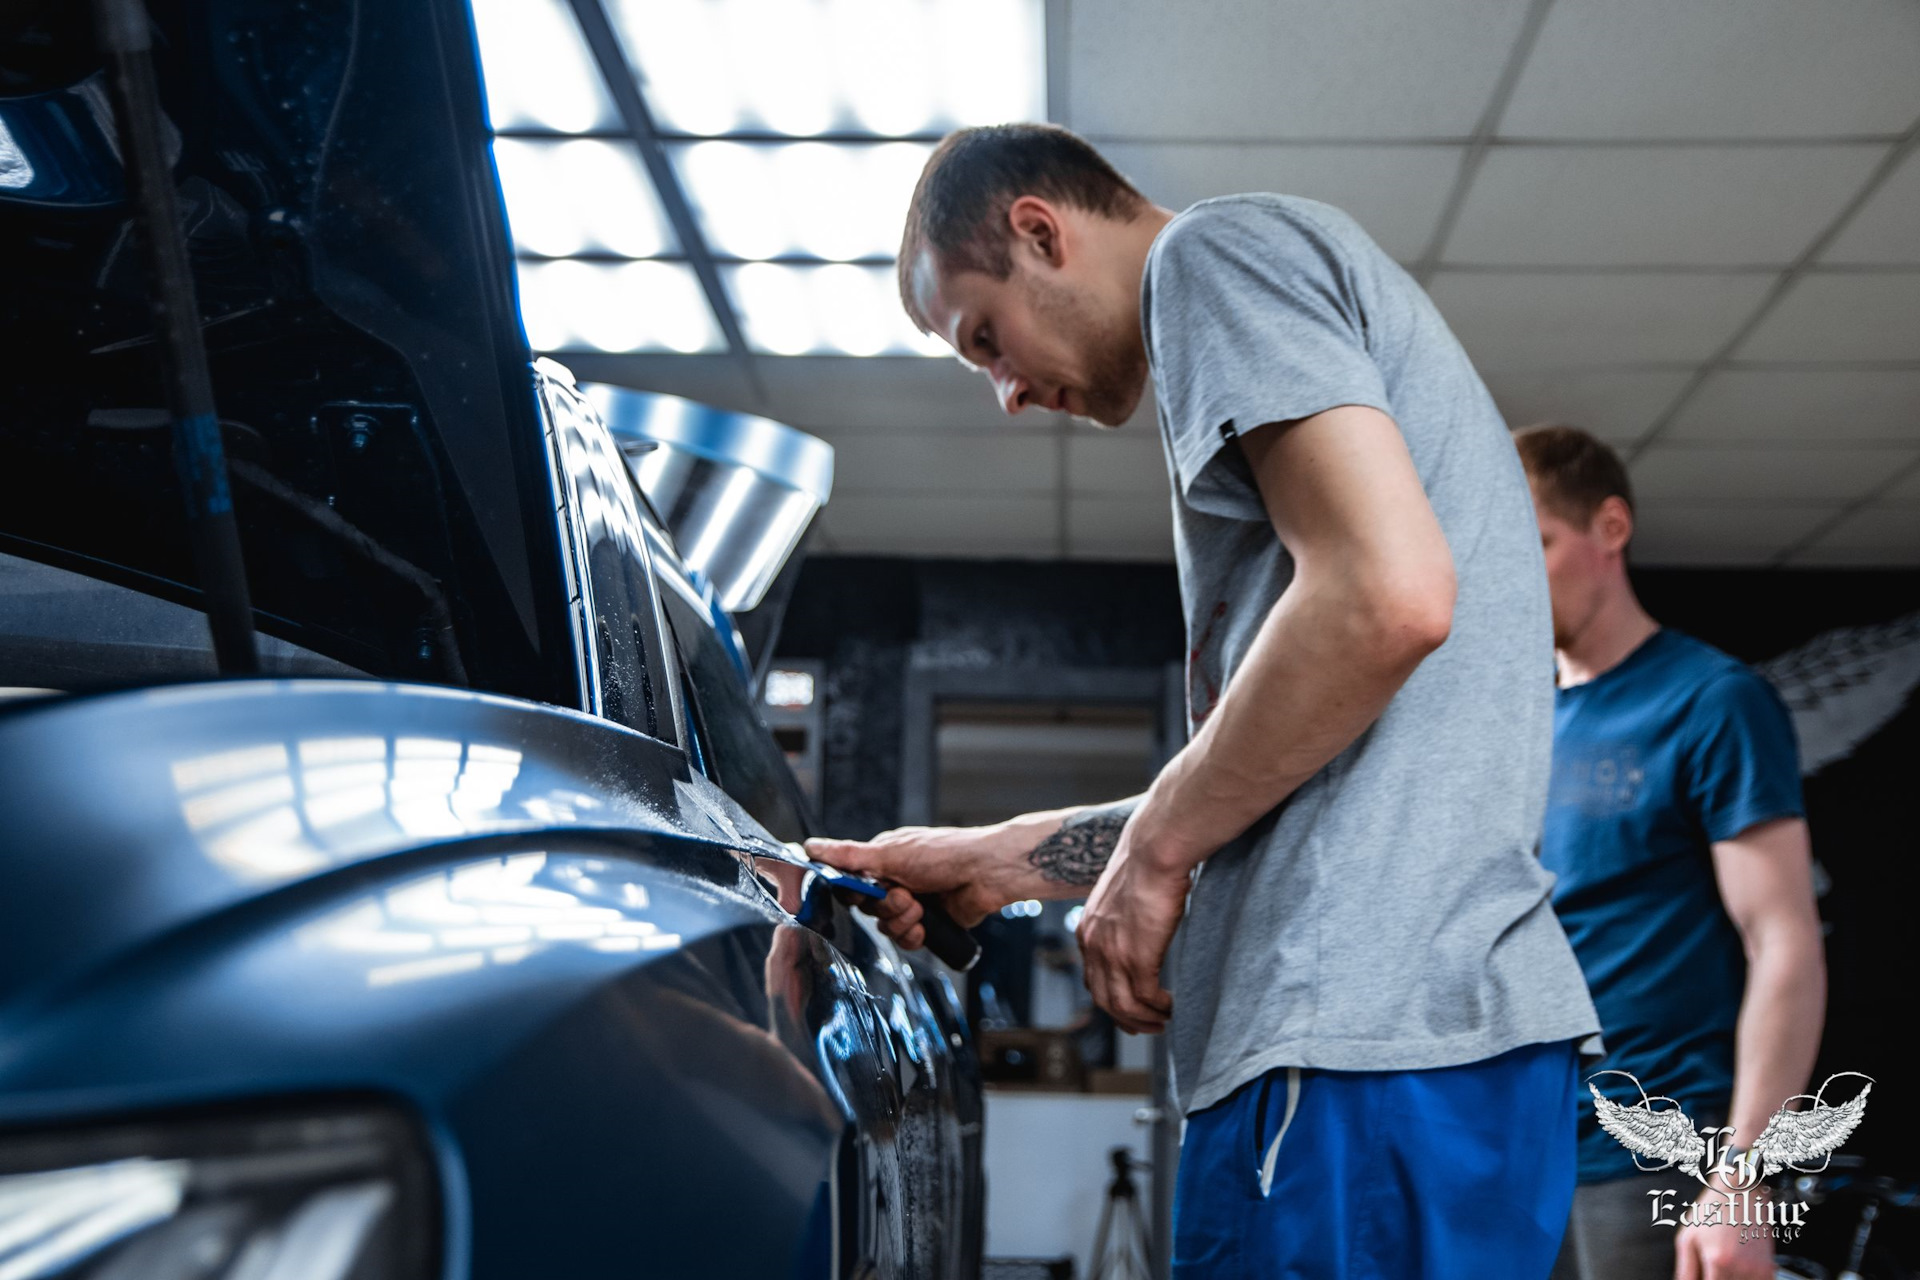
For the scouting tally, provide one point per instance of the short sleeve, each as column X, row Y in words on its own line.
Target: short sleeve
column 1746, row 767
column 1254, row 316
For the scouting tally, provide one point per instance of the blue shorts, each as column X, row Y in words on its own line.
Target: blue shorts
column 1382, row 1175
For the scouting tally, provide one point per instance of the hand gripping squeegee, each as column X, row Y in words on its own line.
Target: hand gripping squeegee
column 950, row 944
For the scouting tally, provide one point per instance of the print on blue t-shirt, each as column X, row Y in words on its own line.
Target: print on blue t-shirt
column 1677, row 746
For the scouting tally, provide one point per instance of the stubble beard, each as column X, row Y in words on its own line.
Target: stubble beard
column 1116, row 362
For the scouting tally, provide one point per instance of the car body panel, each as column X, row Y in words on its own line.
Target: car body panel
column 558, row 953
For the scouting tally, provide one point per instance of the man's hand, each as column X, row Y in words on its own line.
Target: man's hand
column 976, row 870
column 1717, row 1253
column 1125, row 930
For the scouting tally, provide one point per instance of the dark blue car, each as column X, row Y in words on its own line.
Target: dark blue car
column 464, row 940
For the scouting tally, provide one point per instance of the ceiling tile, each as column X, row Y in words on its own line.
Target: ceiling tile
column 1870, row 536
column 951, row 462
column 1631, row 206
column 1720, row 536
column 1675, row 475
column 1534, row 320
column 1127, row 461
column 1842, row 317
column 1286, row 69
column 886, row 522
column 1396, row 193
column 1615, row 404
column 1133, row 528
column 1729, row 69
column 1887, row 228
column 1803, row 405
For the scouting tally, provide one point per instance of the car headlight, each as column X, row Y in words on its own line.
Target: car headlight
column 326, row 1193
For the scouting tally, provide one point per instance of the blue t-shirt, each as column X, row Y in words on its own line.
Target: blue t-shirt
column 1676, row 747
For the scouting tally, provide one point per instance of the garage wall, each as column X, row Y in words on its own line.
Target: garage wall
column 866, row 616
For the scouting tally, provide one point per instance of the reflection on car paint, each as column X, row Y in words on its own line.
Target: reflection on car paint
column 269, row 812
column 278, row 810
column 492, row 912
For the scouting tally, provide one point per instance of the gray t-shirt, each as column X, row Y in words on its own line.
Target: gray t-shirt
column 1393, row 914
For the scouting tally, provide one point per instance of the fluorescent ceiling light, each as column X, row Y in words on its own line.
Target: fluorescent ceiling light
column 838, row 201
column 538, row 70
column 832, row 309
column 632, row 306
column 580, row 195
column 802, row 67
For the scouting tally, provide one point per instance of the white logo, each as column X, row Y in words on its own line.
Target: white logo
column 1791, row 1140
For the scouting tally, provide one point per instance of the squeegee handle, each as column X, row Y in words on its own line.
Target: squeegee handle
column 952, row 945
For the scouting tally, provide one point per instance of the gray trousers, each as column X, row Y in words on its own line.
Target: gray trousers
column 1610, row 1233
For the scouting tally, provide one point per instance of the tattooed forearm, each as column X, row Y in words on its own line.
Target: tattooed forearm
column 1077, row 853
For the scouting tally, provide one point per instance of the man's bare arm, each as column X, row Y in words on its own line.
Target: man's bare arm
column 1372, row 595
column 1077, row 851
column 1058, row 853
column 1765, row 876
column 1766, row 883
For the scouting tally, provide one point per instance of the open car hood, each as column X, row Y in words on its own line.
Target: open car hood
column 354, row 277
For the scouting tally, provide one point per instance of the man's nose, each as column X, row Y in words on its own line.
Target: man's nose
column 1015, row 392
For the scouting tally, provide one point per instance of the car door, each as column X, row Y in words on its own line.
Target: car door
column 839, row 997
column 916, row 1180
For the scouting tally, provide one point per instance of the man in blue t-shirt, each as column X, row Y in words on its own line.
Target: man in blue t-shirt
column 1677, row 833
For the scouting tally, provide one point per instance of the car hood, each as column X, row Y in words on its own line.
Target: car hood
column 354, row 278
column 129, row 816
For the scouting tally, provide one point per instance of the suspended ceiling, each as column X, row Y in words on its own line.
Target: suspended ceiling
column 1694, row 229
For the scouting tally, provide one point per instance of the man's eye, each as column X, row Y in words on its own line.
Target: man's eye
column 983, row 343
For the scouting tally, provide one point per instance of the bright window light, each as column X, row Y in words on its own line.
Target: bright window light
column 987, row 75
column 631, row 306
column 580, row 195
column 729, row 183
column 774, row 309
column 852, row 305
column 539, row 72
column 838, row 201
column 684, row 60
column 831, row 309
column 885, row 93
column 789, row 688
column 858, row 85
column 802, row 67
column 781, row 48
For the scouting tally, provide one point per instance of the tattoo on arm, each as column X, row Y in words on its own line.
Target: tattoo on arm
column 1077, row 853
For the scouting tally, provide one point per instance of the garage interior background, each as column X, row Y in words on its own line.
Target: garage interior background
column 1691, row 229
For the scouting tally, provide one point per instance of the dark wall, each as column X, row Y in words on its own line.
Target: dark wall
column 863, row 617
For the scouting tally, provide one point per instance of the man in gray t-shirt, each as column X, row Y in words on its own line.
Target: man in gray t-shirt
column 1367, row 964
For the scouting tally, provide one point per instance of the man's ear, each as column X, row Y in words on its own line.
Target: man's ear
column 1612, row 523
column 1036, row 226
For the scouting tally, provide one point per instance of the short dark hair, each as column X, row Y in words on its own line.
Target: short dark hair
column 1574, row 470
column 973, row 177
